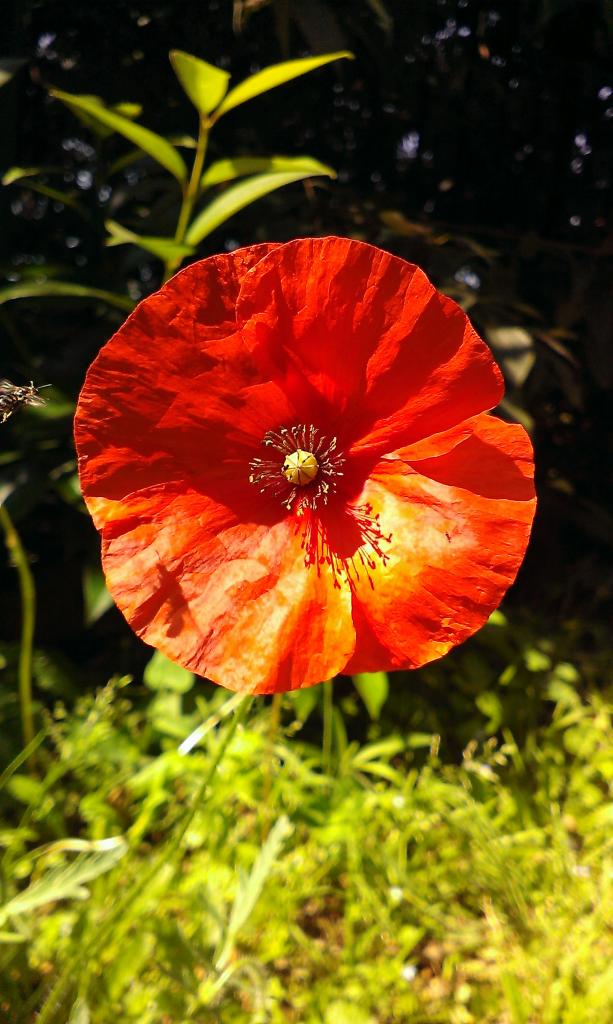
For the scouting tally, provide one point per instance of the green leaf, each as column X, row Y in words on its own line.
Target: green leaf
column 491, row 706
column 26, row 790
column 304, row 701
column 129, row 110
column 239, row 167
column 22, row 756
column 96, row 597
column 417, row 740
column 234, row 199
column 80, row 1012
column 373, row 688
column 162, row 674
column 343, row 1012
column 54, row 289
column 186, row 141
column 515, row 1000
column 204, row 84
column 155, row 145
column 250, row 887
column 12, row 937
column 536, row 661
column 271, row 77
column 163, row 248
column 383, row 750
column 18, row 173
column 67, row 881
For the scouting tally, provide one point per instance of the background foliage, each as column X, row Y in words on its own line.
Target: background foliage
column 444, row 857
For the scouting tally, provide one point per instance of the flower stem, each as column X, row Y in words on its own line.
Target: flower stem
column 191, row 192
column 89, row 951
column 328, row 715
column 27, row 591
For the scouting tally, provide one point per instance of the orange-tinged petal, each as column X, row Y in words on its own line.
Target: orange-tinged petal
column 227, row 597
column 361, row 340
column 460, row 524
column 127, row 430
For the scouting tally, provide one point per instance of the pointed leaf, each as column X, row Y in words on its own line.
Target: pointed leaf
column 66, row 881
column 204, row 84
column 17, row 173
column 129, row 110
column 250, row 887
column 96, row 597
column 163, row 248
column 240, row 166
column 40, row 289
column 234, row 199
column 186, row 141
column 373, row 688
column 271, row 77
column 155, row 145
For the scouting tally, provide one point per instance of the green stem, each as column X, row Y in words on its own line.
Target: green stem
column 241, row 712
column 190, row 192
column 328, row 713
column 273, row 729
column 57, row 995
column 28, row 619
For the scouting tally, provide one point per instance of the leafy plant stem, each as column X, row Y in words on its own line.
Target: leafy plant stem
column 27, row 591
column 103, row 935
column 328, row 713
column 191, row 192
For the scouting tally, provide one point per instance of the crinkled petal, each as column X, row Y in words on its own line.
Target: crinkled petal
column 141, row 410
column 227, row 596
column 459, row 526
column 361, row 340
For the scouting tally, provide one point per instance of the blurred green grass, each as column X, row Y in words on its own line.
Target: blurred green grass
column 414, row 882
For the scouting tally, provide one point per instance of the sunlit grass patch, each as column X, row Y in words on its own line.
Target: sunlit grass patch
column 403, row 886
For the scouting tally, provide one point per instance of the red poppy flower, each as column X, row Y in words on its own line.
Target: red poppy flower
column 287, row 452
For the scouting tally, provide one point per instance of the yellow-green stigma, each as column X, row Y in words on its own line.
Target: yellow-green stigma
column 305, row 471
column 300, row 467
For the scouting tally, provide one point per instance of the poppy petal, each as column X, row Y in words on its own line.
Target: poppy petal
column 226, row 598
column 361, row 338
column 144, row 391
column 459, row 527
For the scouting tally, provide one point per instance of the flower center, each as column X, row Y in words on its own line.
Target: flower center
column 305, row 470
column 300, row 467
column 302, row 472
